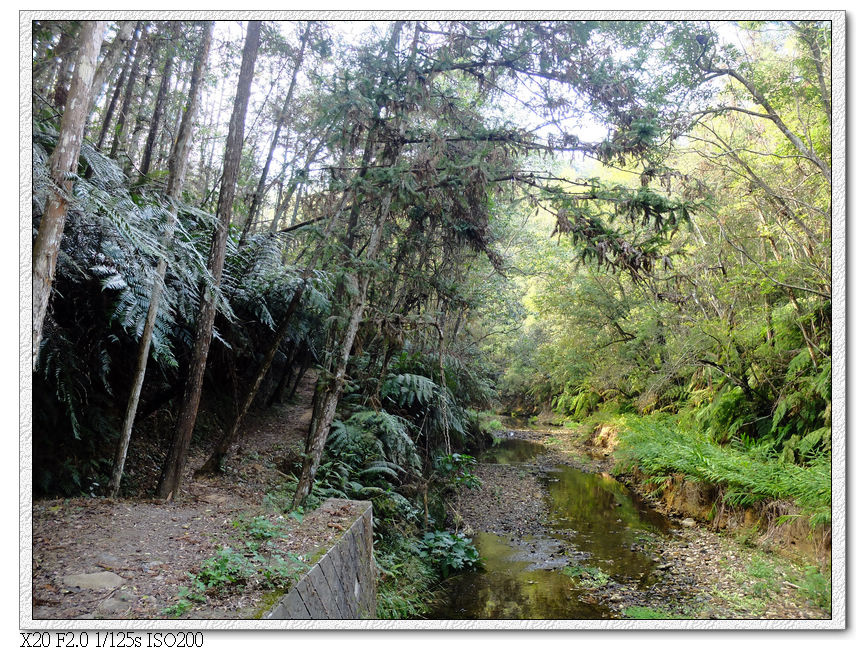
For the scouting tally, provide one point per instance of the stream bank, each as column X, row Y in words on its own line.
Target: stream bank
column 562, row 538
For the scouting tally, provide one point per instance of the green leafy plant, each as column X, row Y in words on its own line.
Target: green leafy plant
column 457, row 469
column 815, row 587
column 448, row 552
column 178, row 609
column 406, row 580
column 280, row 572
column 259, row 528
column 227, row 567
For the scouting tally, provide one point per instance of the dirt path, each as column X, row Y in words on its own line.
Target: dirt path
column 699, row 573
column 129, row 558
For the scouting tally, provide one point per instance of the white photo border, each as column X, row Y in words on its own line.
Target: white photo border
column 839, row 341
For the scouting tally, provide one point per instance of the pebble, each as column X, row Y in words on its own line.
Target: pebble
column 100, row 580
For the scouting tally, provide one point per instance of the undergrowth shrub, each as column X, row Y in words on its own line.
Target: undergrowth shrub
column 406, row 583
column 448, row 552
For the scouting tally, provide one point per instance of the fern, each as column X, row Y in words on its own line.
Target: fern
column 392, row 432
column 406, row 390
column 750, row 475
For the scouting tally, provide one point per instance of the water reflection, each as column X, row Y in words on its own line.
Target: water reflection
column 598, row 515
column 594, row 521
column 507, row 590
column 511, row 451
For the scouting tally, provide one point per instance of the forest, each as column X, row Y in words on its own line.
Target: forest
column 388, row 247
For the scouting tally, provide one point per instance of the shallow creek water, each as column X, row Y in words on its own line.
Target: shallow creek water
column 595, row 521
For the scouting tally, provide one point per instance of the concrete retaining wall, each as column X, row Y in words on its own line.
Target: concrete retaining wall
column 341, row 585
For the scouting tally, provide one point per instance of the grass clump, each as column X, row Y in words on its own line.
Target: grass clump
column 649, row 613
column 659, row 448
column 815, row 587
column 587, row 576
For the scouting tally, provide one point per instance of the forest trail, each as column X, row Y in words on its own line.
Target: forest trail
column 128, row 558
column 652, row 564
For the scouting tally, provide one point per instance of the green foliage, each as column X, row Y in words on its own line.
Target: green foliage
column 260, row 566
column 179, row 608
column 659, row 447
column 278, row 572
column 395, row 512
column 104, row 280
column 587, row 576
column 227, row 567
column 816, row 587
column 457, row 470
column 578, row 405
column 260, row 528
column 406, row 581
column 723, row 418
column 693, row 275
column 448, row 552
column 391, row 432
column 406, row 390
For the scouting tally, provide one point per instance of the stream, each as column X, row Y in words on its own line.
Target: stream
column 595, row 523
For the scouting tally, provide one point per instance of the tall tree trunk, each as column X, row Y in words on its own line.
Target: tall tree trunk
column 295, row 183
column 45, row 67
column 177, row 166
column 213, row 126
column 356, row 285
column 118, row 89
column 214, row 463
column 62, row 165
column 327, row 396
column 66, row 52
column 109, row 62
column 140, row 119
column 123, row 118
column 159, row 106
column 172, row 474
column 172, row 123
column 258, row 196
